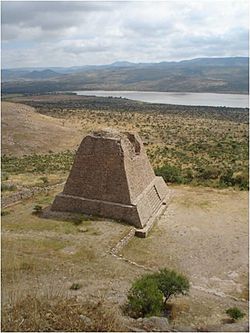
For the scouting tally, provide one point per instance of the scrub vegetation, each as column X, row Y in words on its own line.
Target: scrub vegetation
column 186, row 145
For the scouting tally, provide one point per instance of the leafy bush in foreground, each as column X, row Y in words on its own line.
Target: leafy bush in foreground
column 145, row 298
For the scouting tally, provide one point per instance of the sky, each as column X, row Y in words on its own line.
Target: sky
column 77, row 33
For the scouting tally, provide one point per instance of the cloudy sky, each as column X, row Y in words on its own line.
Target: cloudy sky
column 74, row 33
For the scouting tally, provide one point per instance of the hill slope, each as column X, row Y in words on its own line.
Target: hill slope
column 224, row 75
column 40, row 75
column 25, row 131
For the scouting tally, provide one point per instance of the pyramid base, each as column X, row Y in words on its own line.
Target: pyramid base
column 143, row 233
column 145, row 208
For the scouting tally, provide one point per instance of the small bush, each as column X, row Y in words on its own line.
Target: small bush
column 37, row 210
column 4, row 176
column 8, row 187
column 77, row 220
column 235, row 313
column 208, row 173
column 144, row 298
column 241, row 179
column 170, row 174
column 5, row 212
column 75, row 286
column 226, row 179
column 45, row 180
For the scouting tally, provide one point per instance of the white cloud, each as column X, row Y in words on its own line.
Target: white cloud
column 77, row 33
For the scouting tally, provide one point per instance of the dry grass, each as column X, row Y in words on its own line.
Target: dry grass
column 24, row 179
column 42, row 258
column 38, row 268
column 24, row 131
column 177, row 309
column 33, row 313
column 203, row 149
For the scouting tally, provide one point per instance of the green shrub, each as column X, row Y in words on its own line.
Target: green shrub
column 5, row 212
column 37, row 210
column 226, row 179
column 77, row 220
column 171, row 283
column 208, row 173
column 144, row 298
column 75, row 286
column 35, row 163
column 188, row 175
column 241, row 179
column 4, row 176
column 170, row 174
column 235, row 313
column 45, row 180
column 8, row 187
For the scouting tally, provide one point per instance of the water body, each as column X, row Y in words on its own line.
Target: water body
column 179, row 98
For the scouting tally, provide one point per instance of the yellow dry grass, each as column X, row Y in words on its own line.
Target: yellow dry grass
column 25, row 131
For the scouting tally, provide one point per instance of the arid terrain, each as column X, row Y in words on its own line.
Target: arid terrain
column 203, row 232
column 25, row 131
column 200, row 145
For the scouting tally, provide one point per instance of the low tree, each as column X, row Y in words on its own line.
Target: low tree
column 144, row 298
column 149, row 294
column 171, row 283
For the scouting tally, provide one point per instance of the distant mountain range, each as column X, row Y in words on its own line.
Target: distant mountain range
column 26, row 74
column 222, row 75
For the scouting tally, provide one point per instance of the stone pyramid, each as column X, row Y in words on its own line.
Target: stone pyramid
column 112, row 177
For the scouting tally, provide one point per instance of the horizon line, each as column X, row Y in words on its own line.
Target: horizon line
column 126, row 61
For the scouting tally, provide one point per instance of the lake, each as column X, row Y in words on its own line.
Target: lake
column 179, row 98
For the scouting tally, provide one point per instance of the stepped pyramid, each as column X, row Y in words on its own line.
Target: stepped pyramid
column 112, row 177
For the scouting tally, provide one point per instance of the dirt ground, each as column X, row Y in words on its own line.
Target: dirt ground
column 203, row 234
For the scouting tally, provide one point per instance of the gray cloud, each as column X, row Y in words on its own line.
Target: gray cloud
column 32, row 13
column 46, row 33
